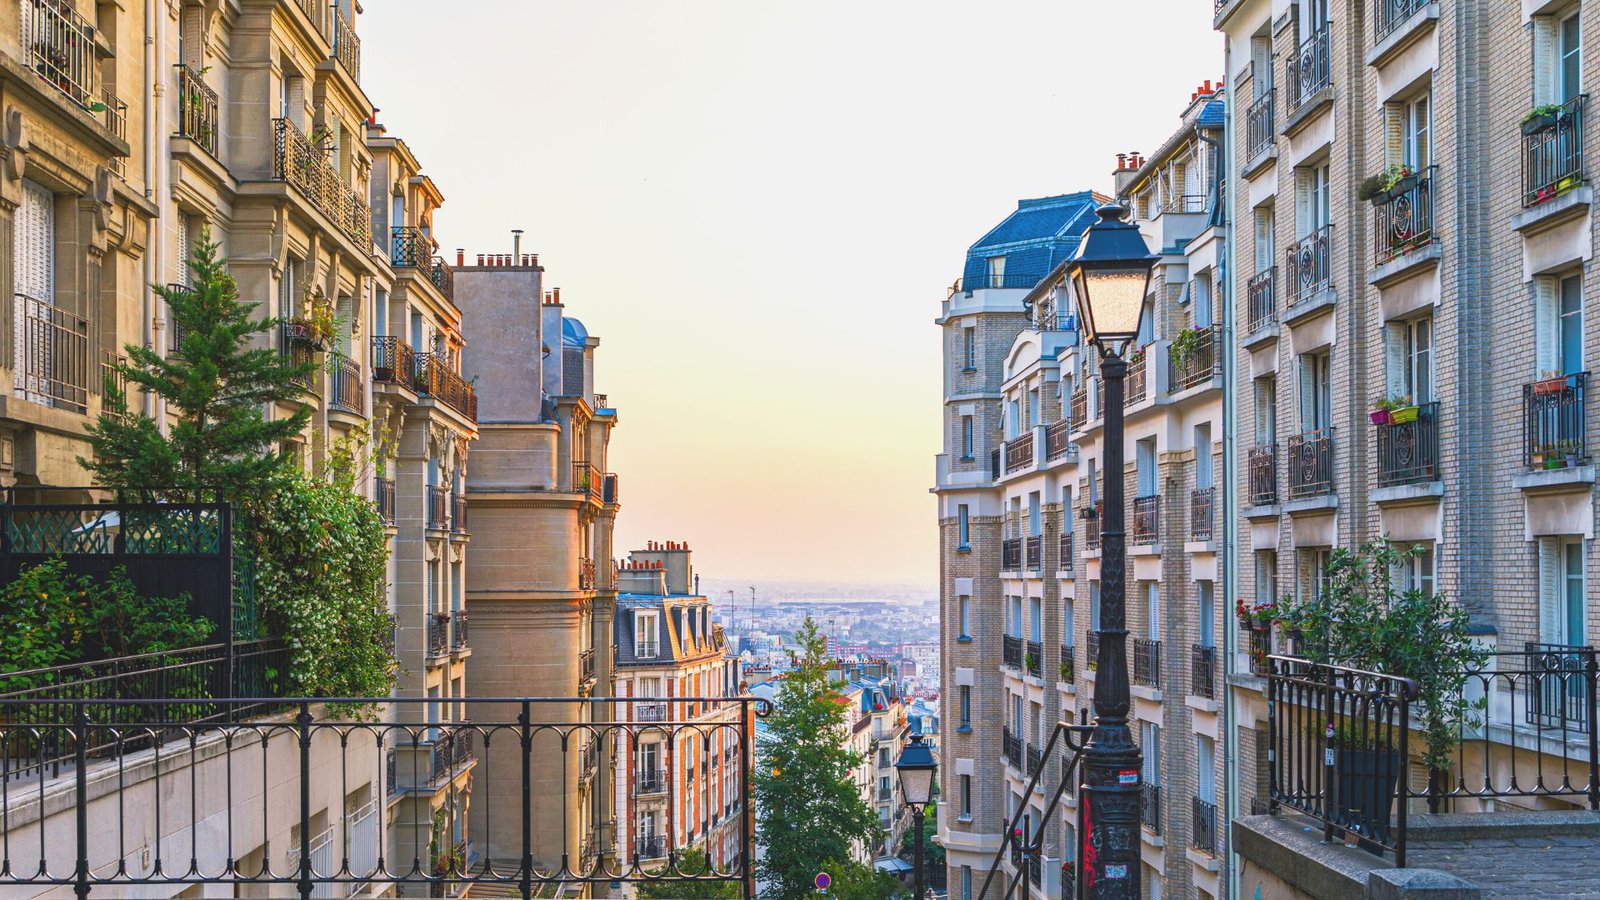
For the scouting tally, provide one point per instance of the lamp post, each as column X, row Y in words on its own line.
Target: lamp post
column 915, row 768
column 1110, row 274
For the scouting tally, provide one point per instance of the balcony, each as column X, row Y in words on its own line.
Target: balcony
column 393, row 361
column 1079, row 405
column 1031, row 759
column 458, row 630
column 298, row 162
column 650, row 712
column 1264, row 475
column 1203, row 671
column 1058, row 440
column 1311, row 464
column 347, row 388
column 1011, row 651
column 1553, row 422
column 197, row 109
column 1147, row 662
column 1262, row 291
column 1091, row 651
column 650, row 847
column 1011, row 555
column 346, row 46
column 61, row 49
column 1552, row 153
column 1147, row 519
column 54, row 347
column 1091, row 527
column 438, row 507
column 1033, row 659
column 1308, row 267
column 586, row 666
column 410, row 248
column 1405, row 222
column 1011, row 745
column 1137, row 382
column 296, row 345
column 1261, row 126
column 1204, row 835
column 458, row 514
column 1068, row 668
column 649, row 781
column 436, row 379
column 1033, row 553
column 1064, row 563
column 1408, row 451
column 609, row 492
column 585, row 573
column 1200, row 363
column 438, row 634
column 1202, row 502
column 1019, row 452
column 383, row 489
column 1310, row 69
column 586, row 480
column 1391, row 14
column 1260, row 649
column 1150, row 806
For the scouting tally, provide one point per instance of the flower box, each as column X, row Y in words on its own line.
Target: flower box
column 1550, row 386
column 1403, row 415
column 1380, row 417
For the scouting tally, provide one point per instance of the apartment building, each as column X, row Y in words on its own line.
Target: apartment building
column 1413, row 218
column 678, row 790
column 878, row 732
column 544, row 509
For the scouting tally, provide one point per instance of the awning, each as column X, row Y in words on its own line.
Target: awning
column 894, row 865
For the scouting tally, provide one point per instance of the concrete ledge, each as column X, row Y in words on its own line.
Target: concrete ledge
column 1312, row 504
column 1310, row 108
column 1409, row 493
column 1423, row 829
column 1557, row 209
column 1555, row 478
column 1263, row 335
column 1281, row 846
column 1267, row 511
column 1403, row 35
column 1320, row 302
column 1405, row 265
column 1260, row 162
column 1419, row 884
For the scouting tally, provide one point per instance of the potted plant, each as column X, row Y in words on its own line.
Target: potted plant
column 1371, row 188
column 1382, row 407
column 1399, row 180
column 1569, row 449
column 1184, row 346
column 1066, row 669
column 1404, row 411
column 1550, row 382
column 1029, row 661
column 1541, row 117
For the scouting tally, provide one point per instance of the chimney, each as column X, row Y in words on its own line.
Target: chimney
column 480, row 260
column 516, row 239
column 558, row 295
column 1125, row 175
column 461, row 256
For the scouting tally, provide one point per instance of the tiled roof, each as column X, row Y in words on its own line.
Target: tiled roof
column 1034, row 238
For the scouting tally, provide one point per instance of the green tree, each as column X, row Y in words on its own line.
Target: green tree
column 690, row 862
column 218, row 387
column 854, row 881
column 932, row 852
column 809, row 811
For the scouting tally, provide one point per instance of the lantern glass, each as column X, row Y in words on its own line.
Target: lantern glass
column 1111, row 299
column 915, row 768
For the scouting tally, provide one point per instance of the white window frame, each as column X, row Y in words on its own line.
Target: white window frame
column 646, row 621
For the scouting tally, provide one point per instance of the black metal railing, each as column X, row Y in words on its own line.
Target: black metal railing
column 1552, row 153
column 1262, row 291
column 1030, row 758
column 1408, row 451
column 443, row 276
column 458, row 513
column 1147, row 519
column 115, row 116
column 438, row 379
column 405, row 750
column 1011, row 555
column 348, row 388
column 1391, row 14
column 1405, row 222
column 1203, row 836
column 438, row 634
column 1068, row 669
column 60, row 45
column 1260, row 641
column 1311, row 464
column 54, row 345
column 1011, row 651
column 586, row 480
column 1264, row 475
column 1007, row 280
column 297, row 345
column 586, row 673
column 346, row 45
column 1058, row 440
column 1147, row 662
column 650, row 847
column 1019, row 452
column 1198, row 365
column 1011, row 747
column 197, row 109
column 1202, row 513
column 1091, row 527
column 1184, row 203
column 1091, row 651
column 1150, row 806
column 1261, row 127
column 1310, row 68
column 1033, row 552
column 1064, row 562
column 1079, row 406
column 1022, row 846
column 410, row 248
column 438, row 497
column 1554, row 417
column 1203, row 671
column 383, row 490
column 650, row 781
column 458, row 629
column 1557, row 687
column 393, row 361
column 1033, row 659
column 1309, row 267
column 1138, row 378
column 610, row 488
column 299, row 162
column 586, row 573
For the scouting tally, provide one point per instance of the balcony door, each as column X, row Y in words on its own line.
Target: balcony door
column 1152, row 599
column 1569, row 58
column 1205, row 600
column 1316, row 392
column 1561, row 592
column 34, row 239
column 1411, row 366
column 1145, row 464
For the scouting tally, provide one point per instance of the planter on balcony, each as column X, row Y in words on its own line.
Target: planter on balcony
column 1380, row 417
column 1403, row 415
column 1550, row 386
column 1534, row 124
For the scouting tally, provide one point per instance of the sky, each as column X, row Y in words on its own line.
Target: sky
column 757, row 207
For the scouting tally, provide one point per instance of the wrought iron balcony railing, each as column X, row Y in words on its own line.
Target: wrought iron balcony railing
column 1261, row 126
column 298, row 162
column 458, row 514
column 609, row 488
column 1019, row 452
column 393, row 361
column 1091, row 651
column 1031, row 759
column 1405, row 222
column 585, row 574
column 586, row 480
column 1011, row 651
column 1147, row 662
column 1150, row 806
column 1147, row 519
column 1033, row 659
column 1064, row 562
column 1204, row 834
column 1554, row 421
column 1260, row 650
column 1408, row 451
column 54, row 345
column 438, row 507
column 1552, row 153
column 1011, row 555
column 1058, row 440
column 1091, row 527
column 346, row 46
column 1068, row 669
column 1311, row 464
column 650, row 847
column 1033, row 552
column 1264, row 475
column 1200, row 364
column 296, row 344
column 458, row 629
column 385, row 496
column 1138, row 379
column 1202, row 502
column 115, row 116
column 1203, row 671
column 1309, row 266
column 438, row 634
column 1080, row 407
column 1310, row 69
column 348, row 389
column 586, row 668
column 60, row 45
column 410, row 248
column 1262, row 290
column 1011, row 745
column 438, row 380
column 1391, row 14
column 197, row 110
column 443, row 276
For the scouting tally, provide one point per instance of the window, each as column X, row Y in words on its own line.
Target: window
column 1561, row 591
column 1067, row 627
column 1202, row 457
column 1311, row 199
column 966, row 801
column 1150, row 733
column 1201, row 288
column 966, row 705
column 966, row 883
column 289, row 288
column 1033, row 407
column 1266, row 238
column 1145, row 462
column 965, row 605
column 1313, row 581
column 1266, row 411
column 1013, row 419
column 997, row 271
column 1014, row 616
column 1411, row 359
column 1205, row 600
column 1316, row 392
column 1415, row 573
column 645, row 635
column 1035, row 521
column 1094, row 606
column 1152, row 600
column 1411, row 127
column 969, row 337
column 1035, row 620
column 1206, row 765
column 1569, row 49
column 1266, row 576
column 966, row 439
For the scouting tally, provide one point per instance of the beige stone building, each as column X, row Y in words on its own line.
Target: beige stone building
column 544, row 508
column 676, row 789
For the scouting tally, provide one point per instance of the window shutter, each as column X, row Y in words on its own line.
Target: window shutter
column 193, row 26
column 1394, row 116
column 1551, row 617
column 1545, row 319
column 1302, row 202
column 1544, row 59
column 1394, row 354
column 183, row 249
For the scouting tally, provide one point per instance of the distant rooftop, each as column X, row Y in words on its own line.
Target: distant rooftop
column 1033, row 239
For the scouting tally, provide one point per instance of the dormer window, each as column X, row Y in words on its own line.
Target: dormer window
column 997, row 271
column 646, row 635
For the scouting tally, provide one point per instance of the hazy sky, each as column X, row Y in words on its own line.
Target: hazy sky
column 757, row 206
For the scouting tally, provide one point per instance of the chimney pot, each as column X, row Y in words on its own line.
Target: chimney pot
column 558, row 295
column 480, row 260
column 461, row 256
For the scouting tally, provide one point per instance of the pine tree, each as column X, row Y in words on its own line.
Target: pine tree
column 218, row 387
column 808, row 810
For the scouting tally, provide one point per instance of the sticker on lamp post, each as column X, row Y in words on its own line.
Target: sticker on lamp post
column 1116, row 872
column 1128, row 777
column 822, row 881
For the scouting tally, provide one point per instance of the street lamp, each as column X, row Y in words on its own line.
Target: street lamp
column 915, row 768
column 1110, row 274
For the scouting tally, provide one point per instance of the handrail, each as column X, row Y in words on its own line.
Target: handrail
column 1012, row 831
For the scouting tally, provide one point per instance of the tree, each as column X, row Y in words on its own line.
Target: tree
column 932, row 852
column 808, row 810
column 690, row 863
column 854, row 881
column 218, row 387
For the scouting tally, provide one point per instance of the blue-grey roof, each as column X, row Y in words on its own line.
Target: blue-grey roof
column 1033, row 239
column 573, row 334
column 1210, row 115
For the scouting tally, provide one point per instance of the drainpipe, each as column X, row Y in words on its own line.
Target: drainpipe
column 147, row 146
column 1230, row 490
column 156, row 181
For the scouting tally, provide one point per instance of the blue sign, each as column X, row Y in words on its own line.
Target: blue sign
column 822, row 881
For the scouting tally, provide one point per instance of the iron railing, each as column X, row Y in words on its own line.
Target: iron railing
column 1019, row 452
column 348, row 388
column 1260, row 640
column 1391, row 14
column 650, row 847
column 438, row 634
column 384, row 744
column 296, row 345
column 385, row 497
column 1554, row 421
column 1022, row 847
column 1552, row 153
column 1405, row 222
column 1147, row 519
column 115, row 115
column 197, row 110
column 1199, row 365
column 393, row 361
column 1203, row 671
column 1408, row 452
column 610, row 488
column 1058, row 440
column 1261, row 129
column 458, row 513
column 1147, row 662
column 438, row 507
column 1309, row 267
column 1262, row 290
column 1311, row 464
column 438, row 380
column 298, row 162
column 1310, row 69
column 1202, row 513
column 1011, row 747
column 586, row 574
column 54, row 344
column 586, row 480
column 1033, row 552
column 1030, row 759
column 1203, row 836
column 1080, row 407
column 410, row 248
column 1064, row 562
column 1137, row 381
column 1068, row 669
column 1091, row 651
column 1011, row 555
column 443, row 276
column 1184, row 203
column 1011, row 651
column 649, row 781
column 1150, row 806
column 1264, row 475
column 1033, row 659
column 61, row 48
column 346, row 46
column 458, row 629
column 1091, row 527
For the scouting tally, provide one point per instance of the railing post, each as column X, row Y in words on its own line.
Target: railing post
column 1408, row 692
column 524, row 727
column 1590, row 667
column 80, row 718
column 303, row 720
column 747, row 837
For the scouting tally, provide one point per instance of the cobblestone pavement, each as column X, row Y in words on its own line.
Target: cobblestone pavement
column 1555, row 867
